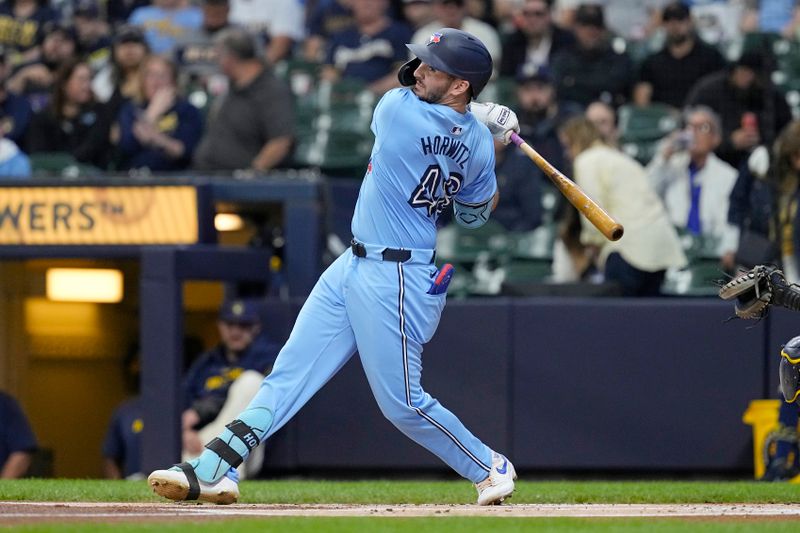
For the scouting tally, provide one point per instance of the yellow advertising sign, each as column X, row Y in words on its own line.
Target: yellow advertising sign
column 98, row 215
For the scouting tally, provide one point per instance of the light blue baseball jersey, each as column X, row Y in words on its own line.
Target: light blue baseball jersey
column 425, row 156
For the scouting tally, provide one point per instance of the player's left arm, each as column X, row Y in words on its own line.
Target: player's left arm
column 474, row 204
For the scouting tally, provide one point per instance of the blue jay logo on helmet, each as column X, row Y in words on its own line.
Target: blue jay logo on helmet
column 435, row 38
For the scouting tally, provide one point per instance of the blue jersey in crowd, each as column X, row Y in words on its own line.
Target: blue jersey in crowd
column 369, row 57
column 212, row 374
column 16, row 434
column 183, row 122
column 437, row 168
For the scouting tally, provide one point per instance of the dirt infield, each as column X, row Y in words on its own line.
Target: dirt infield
column 15, row 513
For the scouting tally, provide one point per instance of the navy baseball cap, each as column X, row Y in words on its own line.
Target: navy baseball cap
column 239, row 312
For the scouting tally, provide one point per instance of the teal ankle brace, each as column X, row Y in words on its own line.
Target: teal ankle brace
column 211, row 466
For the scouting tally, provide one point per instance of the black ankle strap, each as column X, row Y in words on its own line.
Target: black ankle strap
column 194, row 483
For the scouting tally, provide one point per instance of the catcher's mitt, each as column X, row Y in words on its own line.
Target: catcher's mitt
column 756, row 289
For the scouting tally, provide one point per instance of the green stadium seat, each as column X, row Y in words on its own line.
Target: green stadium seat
column 502, row 90
column 526, row 271
column 646, row 123
column 536, row 244
column 642, row 127
column 698, row 247
column 60, row 164
column 697, row 279
column 340, row 153
column 301, row 75
column 787, row 57
column 462, row 245
column 642, row 151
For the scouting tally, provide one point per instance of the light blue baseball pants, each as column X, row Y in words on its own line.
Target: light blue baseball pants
column 382, row 309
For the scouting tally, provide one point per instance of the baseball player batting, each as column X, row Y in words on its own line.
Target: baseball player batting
column 383, row 297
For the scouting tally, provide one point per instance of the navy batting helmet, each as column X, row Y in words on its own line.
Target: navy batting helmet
column 455, row 52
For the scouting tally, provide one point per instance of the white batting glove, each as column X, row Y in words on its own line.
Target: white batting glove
column 500, row 120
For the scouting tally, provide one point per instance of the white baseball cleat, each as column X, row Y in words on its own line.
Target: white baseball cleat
column 500, row 483
column 180, row 483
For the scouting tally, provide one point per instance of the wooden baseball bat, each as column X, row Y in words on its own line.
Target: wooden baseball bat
column 609, row 227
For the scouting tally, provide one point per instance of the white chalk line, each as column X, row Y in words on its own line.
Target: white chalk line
column 92, row 510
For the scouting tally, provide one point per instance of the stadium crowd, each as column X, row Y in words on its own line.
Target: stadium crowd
column 693, row 95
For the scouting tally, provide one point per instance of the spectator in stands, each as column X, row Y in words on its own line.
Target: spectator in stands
column 17, row 441
column 23, row 23
column 633, row 20
column 372, row 51
column 639, row 260
column 521, row 188
column 604, row 119
column 72, row 122
column 93, row 32
column 122, row 443
column 453, row 14
column 253, row 127
column 695, row 185
column 14, row 163
column 34, row 79
column 325, row 19
column 160, row 131
column 15, row 111
column 540, row 113
column 119, row 81
column 279, row 22
column 536, row 40
column 668, row 75
column 764, row 205
column 119, row 11
column 165, row 22
column 592, row 70
column 196, row 53
column 752, row 110
column 223, row 380
column 201, row 78
column 718, row 21
column 772, row 16
column 418, row 13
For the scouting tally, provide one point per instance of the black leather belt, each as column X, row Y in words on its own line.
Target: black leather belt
column 389, row 254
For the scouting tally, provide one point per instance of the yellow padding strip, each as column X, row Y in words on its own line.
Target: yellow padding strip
column 796, row 394
column 793, row 361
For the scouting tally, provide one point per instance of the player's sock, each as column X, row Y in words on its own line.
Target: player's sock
column 232, row 447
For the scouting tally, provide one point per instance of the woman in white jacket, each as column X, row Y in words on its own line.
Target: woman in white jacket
column 639, row 260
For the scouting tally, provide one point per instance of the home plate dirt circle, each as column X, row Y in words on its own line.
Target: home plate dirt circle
column 36, row 512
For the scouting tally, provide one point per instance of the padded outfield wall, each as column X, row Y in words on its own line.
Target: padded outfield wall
column 564, row 384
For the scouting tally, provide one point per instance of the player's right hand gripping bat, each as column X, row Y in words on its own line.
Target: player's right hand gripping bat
column 609, row 227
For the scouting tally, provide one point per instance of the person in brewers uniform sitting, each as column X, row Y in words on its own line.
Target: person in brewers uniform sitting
column 222, row 380
column 384, row 295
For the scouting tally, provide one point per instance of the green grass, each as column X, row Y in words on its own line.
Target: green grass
column 417, row 492
column 396, row 492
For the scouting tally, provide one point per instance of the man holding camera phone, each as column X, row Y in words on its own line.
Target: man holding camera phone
column 695, row 184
